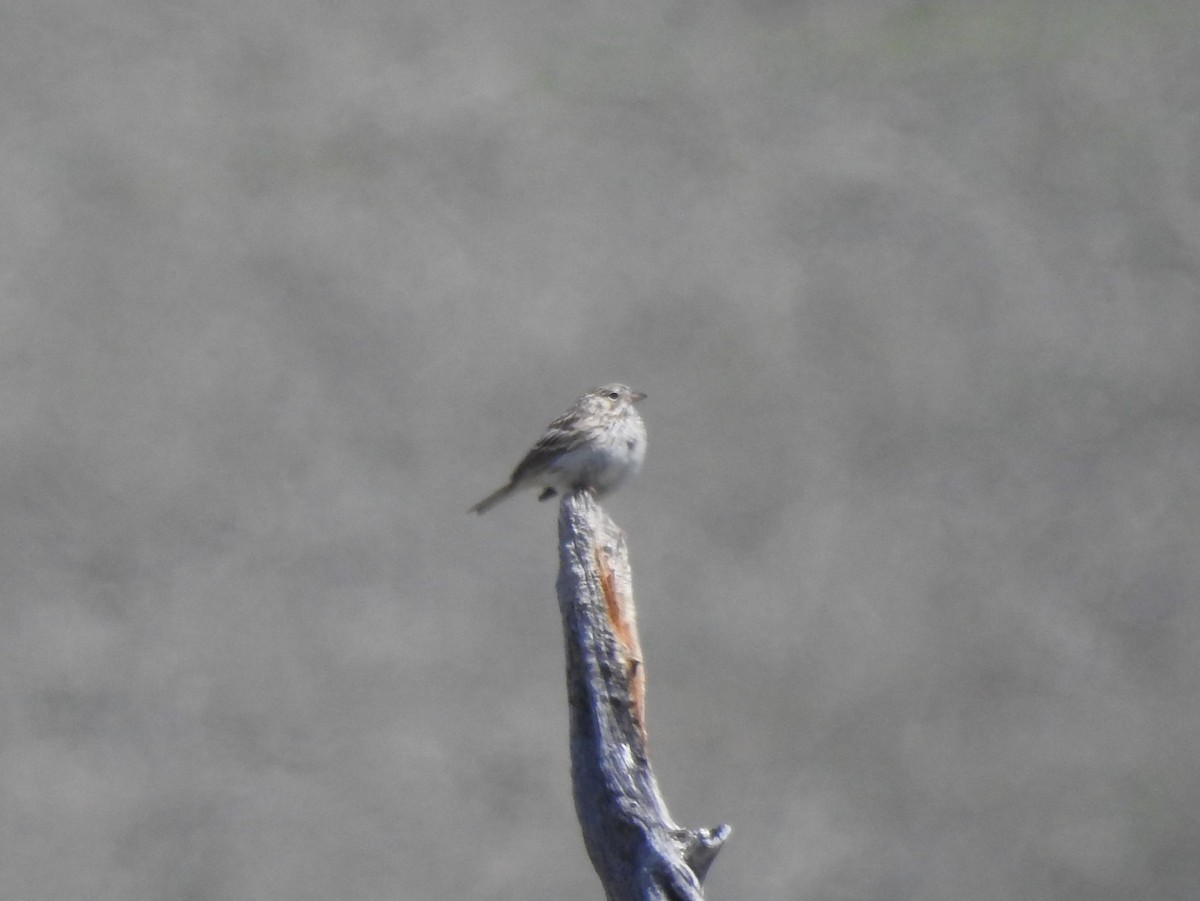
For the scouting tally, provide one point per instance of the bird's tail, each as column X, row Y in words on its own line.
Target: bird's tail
column 492, row 499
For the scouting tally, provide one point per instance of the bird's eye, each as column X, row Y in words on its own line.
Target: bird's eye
column 613, row 395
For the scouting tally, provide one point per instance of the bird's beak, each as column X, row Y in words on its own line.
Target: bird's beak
column 636, row 396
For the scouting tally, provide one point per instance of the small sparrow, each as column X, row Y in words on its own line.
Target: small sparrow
column 596, row 445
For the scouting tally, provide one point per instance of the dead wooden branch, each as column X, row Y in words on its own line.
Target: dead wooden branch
column 637, row 849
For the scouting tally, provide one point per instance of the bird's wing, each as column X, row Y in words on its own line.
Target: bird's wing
column 562, row 435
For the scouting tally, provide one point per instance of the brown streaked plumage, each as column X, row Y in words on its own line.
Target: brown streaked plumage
column 596, row 445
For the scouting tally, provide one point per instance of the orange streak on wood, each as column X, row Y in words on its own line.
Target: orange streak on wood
column 618, row 602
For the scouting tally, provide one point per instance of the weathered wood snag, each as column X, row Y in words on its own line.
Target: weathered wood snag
column 637, row 850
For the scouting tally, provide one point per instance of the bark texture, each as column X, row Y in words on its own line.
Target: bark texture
column 637, row 849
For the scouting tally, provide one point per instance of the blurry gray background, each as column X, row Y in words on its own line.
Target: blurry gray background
column 914, row 290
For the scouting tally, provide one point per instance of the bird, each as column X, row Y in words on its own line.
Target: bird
column 595, row 446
